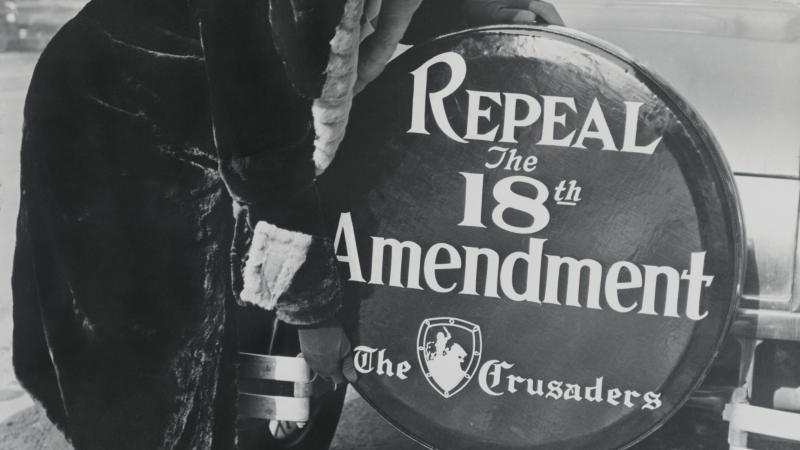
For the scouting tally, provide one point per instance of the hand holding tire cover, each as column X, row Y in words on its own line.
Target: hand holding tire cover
column 485, row 12
column 327, row 350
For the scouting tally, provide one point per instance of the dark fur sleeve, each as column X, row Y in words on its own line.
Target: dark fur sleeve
column 292, row 273
column 262, row 127
column 264, row 134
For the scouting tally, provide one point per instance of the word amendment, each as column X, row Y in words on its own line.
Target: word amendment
column 422, row 268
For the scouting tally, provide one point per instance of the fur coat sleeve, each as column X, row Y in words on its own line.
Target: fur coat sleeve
column 148, row 154
column 261, row 95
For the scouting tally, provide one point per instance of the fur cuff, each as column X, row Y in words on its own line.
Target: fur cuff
column 275, row 257
column 293, row 273
column 332, row 109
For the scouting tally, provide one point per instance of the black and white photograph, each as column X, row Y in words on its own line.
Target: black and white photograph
column 399, row 224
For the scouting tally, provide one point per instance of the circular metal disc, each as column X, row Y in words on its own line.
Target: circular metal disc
column 461, row 357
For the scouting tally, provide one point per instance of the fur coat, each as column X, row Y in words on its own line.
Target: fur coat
column 156, row 135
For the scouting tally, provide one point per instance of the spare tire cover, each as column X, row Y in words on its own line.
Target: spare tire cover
column 542, row 242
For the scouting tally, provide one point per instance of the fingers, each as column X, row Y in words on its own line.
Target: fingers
column 326, row 367
column 508, row 15
column 482, row 12
column 517, row 4
column 337, row 378
column 512, row 15
column 546, row 11
column 338, row 372
column 349, row 369
column 512, row 11
column 376, row 50
column 524, row 17
column 341, row 373
column 344, row 372
column 371, row 10
column 327, row 351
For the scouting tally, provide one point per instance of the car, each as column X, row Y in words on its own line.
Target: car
column 737, row 63
column 9, row 30
column 28, row 25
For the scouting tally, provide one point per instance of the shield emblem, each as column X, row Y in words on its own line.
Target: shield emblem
column 449, row 351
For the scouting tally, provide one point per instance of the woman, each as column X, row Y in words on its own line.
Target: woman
column 157, row 136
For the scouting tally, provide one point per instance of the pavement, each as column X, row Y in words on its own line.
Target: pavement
column 15, row 72
column 359, row 428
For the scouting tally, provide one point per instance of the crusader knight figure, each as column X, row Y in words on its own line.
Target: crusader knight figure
column 446, row 363
column 159, row 135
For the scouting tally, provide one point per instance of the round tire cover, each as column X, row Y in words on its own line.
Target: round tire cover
column 542, row 242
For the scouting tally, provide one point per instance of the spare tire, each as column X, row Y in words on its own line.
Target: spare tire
column 543, row 241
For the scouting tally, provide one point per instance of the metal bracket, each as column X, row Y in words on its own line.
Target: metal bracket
column 274, row 407
column 770, row 422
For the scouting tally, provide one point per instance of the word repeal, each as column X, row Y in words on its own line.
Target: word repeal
column 518, row 110
column 406, row 262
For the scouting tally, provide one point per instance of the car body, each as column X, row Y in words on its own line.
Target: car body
column 738, row 64
column 9, row 31
column 28, row 25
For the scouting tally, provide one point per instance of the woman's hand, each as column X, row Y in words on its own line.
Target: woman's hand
column 327, row 351
column 485, row 12
column 391, row 19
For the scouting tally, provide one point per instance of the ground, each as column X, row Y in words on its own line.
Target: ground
column 15, row 71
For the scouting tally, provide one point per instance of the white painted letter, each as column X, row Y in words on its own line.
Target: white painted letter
column 601, row 131
column 351, row 258
column 632, row 129
column 458, row 71
column 510, row 121
column 475, row 113
column 431, row 265
column 613, row 284
column 550, row 119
